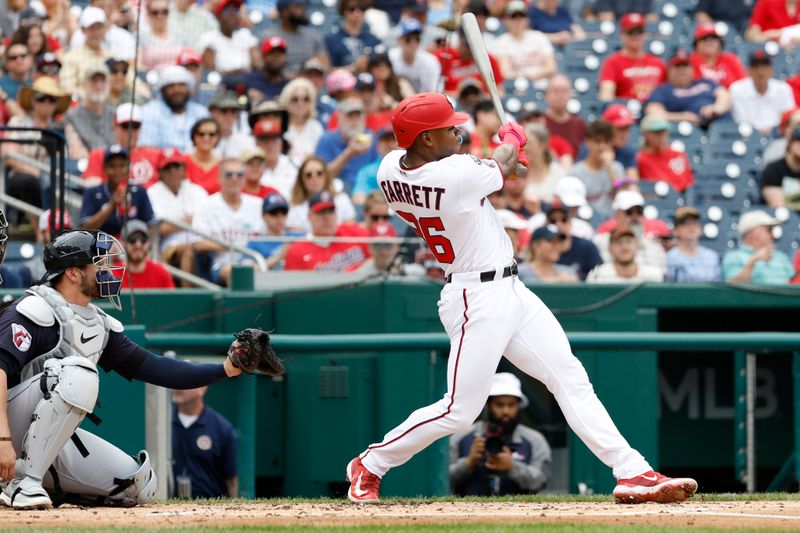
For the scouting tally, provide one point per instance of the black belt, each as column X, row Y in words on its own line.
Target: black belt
column 489, row 275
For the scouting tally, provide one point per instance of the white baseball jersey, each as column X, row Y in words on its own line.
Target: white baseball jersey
column 445, row 202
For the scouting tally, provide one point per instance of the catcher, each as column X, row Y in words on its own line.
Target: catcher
column 52, row 341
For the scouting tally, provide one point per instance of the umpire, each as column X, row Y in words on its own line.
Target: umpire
column 500, row 456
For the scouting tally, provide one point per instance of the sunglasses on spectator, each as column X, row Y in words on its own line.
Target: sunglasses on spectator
column 296, row 99
column 230, row 175
column 517, row 15
column 39, row 97
column 16, row 56
column 412, row 37
column 635, row 31
column 206, row 134
column 139, row 239
column 313, row 173
column 376, row 218
column 119, row 70
column 557, row 219
column 159, row 12
column 131, row 125
column 50, row 70
column 352, row 9
column 171, row 166
column 276, row 212
column 635, row 210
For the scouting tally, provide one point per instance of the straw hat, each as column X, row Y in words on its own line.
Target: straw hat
column 44, row 85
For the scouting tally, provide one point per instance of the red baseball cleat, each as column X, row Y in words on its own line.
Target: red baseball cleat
column 364, row 485
column 653, row 487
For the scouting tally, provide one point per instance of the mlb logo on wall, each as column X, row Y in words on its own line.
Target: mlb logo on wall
column 21, row 337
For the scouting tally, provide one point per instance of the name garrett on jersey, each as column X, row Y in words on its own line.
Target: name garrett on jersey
column 418, row 195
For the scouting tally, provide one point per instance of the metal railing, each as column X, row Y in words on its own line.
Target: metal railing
column 745, row 347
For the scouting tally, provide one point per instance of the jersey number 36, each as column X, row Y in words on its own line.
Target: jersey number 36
column 440, row 246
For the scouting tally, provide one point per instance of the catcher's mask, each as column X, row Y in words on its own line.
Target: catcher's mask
column 78, row 248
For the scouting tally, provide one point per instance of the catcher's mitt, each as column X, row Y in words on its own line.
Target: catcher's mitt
column 252, row 351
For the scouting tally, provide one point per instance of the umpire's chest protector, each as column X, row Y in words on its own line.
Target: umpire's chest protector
column 83, row 331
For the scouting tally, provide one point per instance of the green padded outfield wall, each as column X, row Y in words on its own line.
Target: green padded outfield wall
column 676, row 408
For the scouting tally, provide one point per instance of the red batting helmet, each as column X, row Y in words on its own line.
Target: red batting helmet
column 422, row 112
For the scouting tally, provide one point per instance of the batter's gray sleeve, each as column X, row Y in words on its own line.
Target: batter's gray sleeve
column 532, row 476
column 459, row 471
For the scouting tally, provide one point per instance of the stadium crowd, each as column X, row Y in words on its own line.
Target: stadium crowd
column 664, row 135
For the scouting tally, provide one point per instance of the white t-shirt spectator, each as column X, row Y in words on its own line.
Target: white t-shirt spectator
column 230, row 53
column 179, row 206
column 217, row 219
column 298, row 214
column 423, row 74
column 763, row 112
column 526, row 56
column 119, row 41
column 282, row 177
column 303, row 141
column 606, row 273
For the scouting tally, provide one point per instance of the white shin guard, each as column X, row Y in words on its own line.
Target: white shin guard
column 70, row 387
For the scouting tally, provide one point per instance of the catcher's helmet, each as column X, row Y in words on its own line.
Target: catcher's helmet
column 422, row 112
column 78, row 248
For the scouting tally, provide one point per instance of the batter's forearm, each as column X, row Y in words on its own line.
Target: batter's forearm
column 506, row 157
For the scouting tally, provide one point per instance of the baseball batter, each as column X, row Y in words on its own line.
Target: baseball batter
column 486, row 311
column 52, row 341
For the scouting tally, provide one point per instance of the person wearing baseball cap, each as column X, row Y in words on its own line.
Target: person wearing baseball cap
column 94, row 48
column 710, row 62
column 542, row 258
column 274, row 211
column 485, row 457
column 540, row 65
column 382, row 254
column 253, row 160
column 756, row 260
column 688, row 261
column 231, row 48
column 657, row 160
column 682, row 98
column 623, row 265
column 267, row 82
column 631, row 73
column 621, row 120
column 142, row 272
column 318, row 253
column 90, row 124
column 411, row 61
column 760, row 100
column 628, row 206
column 108, row 205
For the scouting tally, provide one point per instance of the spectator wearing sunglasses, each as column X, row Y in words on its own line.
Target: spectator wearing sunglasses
column 18, row 68
column 628, row 208
column 313, row 177
column 142, row 272
column 47, row 65
column 202, row 164
column 231, row 217
column 226, row 108
column 299, row 97
column 351, row 44
column 543, row 253
column 159, row 47
column 631, row 73
column 376, row 209
column 580, row 255
column 174, row 197
column 144, row 160
column 119, row 84
column 522, row 51
column 91, row 124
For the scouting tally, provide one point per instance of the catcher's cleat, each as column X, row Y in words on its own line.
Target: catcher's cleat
column 364, row 485
column 25, row 493
column 653, row 487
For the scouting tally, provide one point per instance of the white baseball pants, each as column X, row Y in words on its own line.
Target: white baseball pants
column 484, row 322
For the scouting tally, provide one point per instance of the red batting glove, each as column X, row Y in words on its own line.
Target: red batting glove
column 512, row 133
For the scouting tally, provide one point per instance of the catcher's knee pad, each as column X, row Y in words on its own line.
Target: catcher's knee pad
column 69, row 391
column 136, row 489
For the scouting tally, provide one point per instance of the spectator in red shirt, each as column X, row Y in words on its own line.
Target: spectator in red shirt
column 142, row 273
column 558, row 119
column 484, row 139
column 657, row 161
column 770, row 17
column 127, row 124
column 710, row 62
column 457, row 64
column 202, row 164
column 560, row 147
column 631, row 72
column 318, row 253
column 253, row 160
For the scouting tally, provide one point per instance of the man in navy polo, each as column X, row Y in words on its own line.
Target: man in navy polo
column 203, row 448
column 106, row 206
